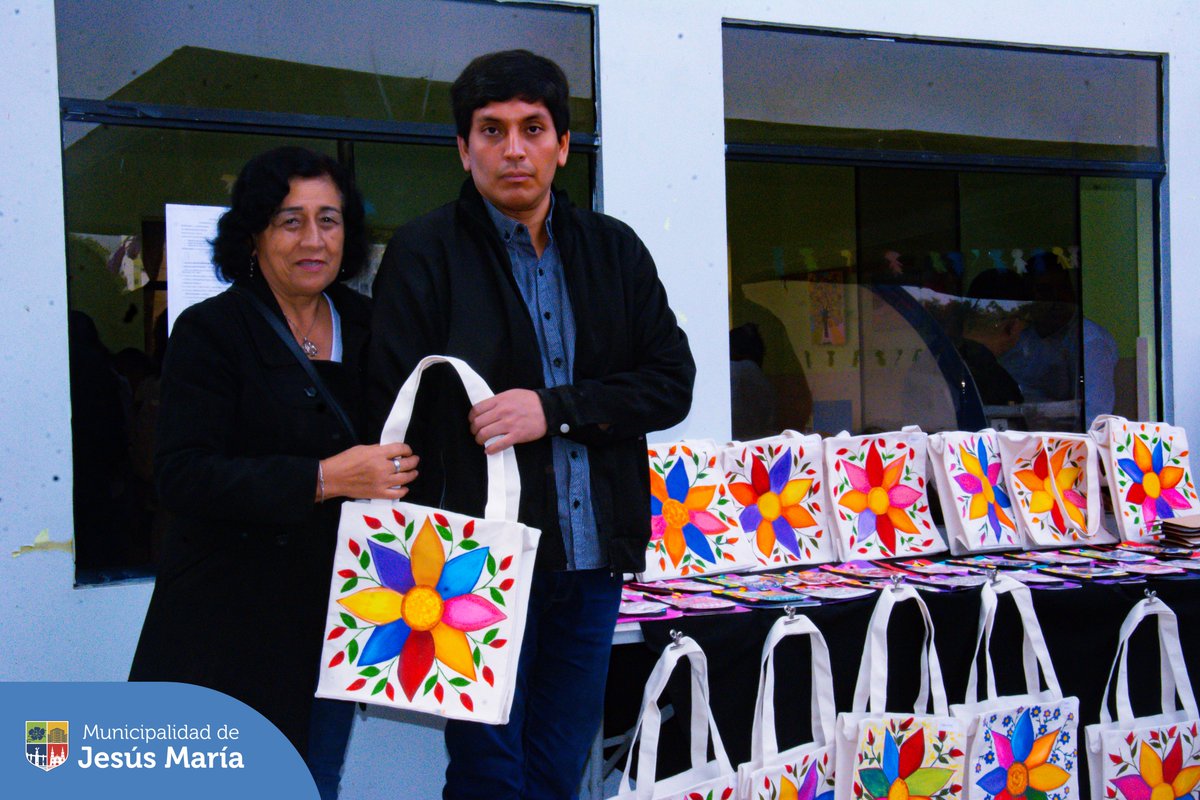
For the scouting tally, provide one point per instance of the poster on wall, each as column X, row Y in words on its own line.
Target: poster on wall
column 190, row 275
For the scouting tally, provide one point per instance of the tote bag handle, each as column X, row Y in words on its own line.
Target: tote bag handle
column 763, row 743
column 650, row 720
column 1174, row 670
column 873, row 669
column 504, row 482
column 1033, row 646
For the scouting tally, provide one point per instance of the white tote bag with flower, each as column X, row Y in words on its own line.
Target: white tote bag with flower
column 1055, row 483
column 427, row 607
column 803, row 772
column 1149, row 476
column 1018, row 743
column 778, row 488
column 879, row 495
column 1150, row 757
column 976, row 501
column 883, row 754
column 694, row 527
column 706, row 779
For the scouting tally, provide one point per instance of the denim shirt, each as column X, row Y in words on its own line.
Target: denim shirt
column 544, row 289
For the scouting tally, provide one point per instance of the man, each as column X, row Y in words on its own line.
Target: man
column 561, row 311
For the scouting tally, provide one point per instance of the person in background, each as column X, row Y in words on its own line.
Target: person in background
column 751, row 394
column 561, row 311
column 253, row 457
column 994, row 320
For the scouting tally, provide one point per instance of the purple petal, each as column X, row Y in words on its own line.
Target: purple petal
column 866, row 526
column 395, row 570
column 969, row 483
column 750, row 518
column 1163, row 508
column 995, row 781
column 461, row 573
column 1175, row 499
column 902, row 496
column 808, row 787
column 786, row 536
column 677, row 481
column 994, row 520
column 781, row 471
column 858, row 477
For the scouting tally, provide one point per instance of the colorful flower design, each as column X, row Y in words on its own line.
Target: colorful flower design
column 982, row 482
column 423, row 608
column 901, row 776
column 1022, row 770
column 1153, row 484
column 679, row 514
column 771, row 504
column 879, row 499
column 1159, row 779
column 1048, row 478
column 807, row 789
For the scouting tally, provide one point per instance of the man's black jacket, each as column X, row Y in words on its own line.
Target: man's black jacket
column 446, row 287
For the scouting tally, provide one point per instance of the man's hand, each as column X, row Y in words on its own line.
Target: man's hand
column 509, row 418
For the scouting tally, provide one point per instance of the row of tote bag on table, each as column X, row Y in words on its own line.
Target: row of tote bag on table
column 1015, row 747
column 797, row 499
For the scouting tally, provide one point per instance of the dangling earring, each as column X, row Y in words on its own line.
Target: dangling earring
column 253, row 263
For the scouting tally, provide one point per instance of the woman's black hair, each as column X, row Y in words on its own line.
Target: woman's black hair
column 260, row 189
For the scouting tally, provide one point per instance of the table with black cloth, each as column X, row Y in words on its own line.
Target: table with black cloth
column 1080, row 626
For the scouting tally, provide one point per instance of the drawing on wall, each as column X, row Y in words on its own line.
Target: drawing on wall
column 827, row 299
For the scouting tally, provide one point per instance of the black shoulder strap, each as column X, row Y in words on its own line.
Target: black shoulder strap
column 290, row 341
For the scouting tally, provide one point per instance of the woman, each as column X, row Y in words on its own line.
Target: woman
column 253, row 454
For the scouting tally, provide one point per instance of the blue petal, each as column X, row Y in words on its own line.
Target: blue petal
column 697, row 542
column 995, row 781
column 1156, row 457
column 1022, row 738
column 825, row 795
column 786, row 536
column 1001, row 497
column 461, row 573
column 1130, row 468
column 677, row 481
column 891, row 757
column 780, row 471
column 981, row 451
column 395, row 570
column 385, row 643
column 1164, row 509
column 655, row 506
column 750, row 519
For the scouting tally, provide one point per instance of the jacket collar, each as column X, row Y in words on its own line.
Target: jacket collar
column 351, row 309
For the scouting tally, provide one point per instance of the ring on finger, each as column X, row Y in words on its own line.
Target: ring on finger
column 396, row 464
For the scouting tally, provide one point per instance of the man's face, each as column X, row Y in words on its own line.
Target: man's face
column 512, row 153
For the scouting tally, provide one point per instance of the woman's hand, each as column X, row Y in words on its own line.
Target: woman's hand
column 369, row 471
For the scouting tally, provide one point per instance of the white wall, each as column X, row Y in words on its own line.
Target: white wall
column 662, row 171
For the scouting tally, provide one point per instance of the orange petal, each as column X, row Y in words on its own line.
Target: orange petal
column 379, row 605
column 891, row 475
column 1031, row 480
column 765, row 538
column 1143, row 458
column 744, row 493
column 798, row 517
column 450, row 647
column 1041, row 751
column 1170, row 477
column 427, row 556
column 673, row 539
column 854, row 500
column 1056, row 460
column 658, row 487
column 699, row 497
column 901, row 520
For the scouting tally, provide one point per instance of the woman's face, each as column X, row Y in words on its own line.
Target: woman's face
column 300, row 250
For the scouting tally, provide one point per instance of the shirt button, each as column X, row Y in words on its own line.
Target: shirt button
column 558, row 362
column 311, row 391
column 546, row 314
column 574, row 453
column 575, row 504
column 564, row 428
column 541, row 271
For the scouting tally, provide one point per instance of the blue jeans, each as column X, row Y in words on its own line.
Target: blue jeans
column 558, row 702
column 328, row 732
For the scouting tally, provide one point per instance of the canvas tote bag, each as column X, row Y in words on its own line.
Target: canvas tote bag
column 427, row 607
column 1149, row 477
column 1132, row 758
column 778, row 486
column 976, row 500
column 706, row 780
column 877, row 748
column 1026, row 740
column 805, row 770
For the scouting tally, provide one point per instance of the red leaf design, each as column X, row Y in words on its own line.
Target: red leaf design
column 358, row 684
column 469, row 529
column 871, row 737
column 372, row 523
column 1116, row 759
column 941, row 736
column 767, row 783
column 955, row 788
column 336, row 632
column 506, row 584
column 354, row 548
column 497, row 643
column 843, row 452
column 1154, row 735
column 725, row 794
column 1110, row 792
column 347, row 573
column 438, row 692
column 488, row 676
column 506, row 563
column 441, row 520
column 400, row 520
column 956, row 753
column 337, row 659
column 467, row 702
column 1129, row 739
column 390, row 692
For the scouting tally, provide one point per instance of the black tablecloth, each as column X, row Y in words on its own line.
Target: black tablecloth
column 1080, row 625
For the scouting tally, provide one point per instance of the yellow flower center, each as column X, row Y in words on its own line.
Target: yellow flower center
column 422, row 608
column 1018, row 779
column 898, row 789
column 675, row 514
column 1152, row 485
column 769, row 507
column 877, row 501
column 1164, row 791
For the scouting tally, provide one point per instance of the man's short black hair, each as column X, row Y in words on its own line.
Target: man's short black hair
column 257, row 194
column 511, row 75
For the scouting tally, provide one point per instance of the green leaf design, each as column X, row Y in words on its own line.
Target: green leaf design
column 386, row 538
column 468, row 544
column 408, row 531
column 364, row 560
column 497, row 597
column 925, row 782
column 369, row 672
column 348, row 620
column 1034, row 794
column 874, row 781
column 459, row 682
column 444, row 532
column 487, row 637
column 476, row 656
column 352, row 649
column 491, row 565
column 382, row 682
column 429, row 684
column 350, row 584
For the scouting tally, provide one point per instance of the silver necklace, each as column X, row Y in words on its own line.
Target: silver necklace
column 307, row 345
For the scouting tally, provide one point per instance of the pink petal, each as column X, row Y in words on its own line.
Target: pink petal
column 993, row 473
column 707, row 522
column 858, row 477
column 1149, row 511
column 901, row 496
column 1175, row 499
column 1134, row 787
column 1075, row 498
column 1004, row 756
column 469, row 612
column 658, row 526
column 969, row 483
